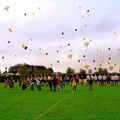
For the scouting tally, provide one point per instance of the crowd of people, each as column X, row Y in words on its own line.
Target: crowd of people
column 58, row 82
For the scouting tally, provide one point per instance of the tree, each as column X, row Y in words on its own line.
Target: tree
column 23, row 71
column 70, row 71
column 82, row 72
column 51, row 70
column 101, row 71
column 37, row 72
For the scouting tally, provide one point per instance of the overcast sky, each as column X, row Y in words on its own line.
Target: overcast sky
column 90, row 27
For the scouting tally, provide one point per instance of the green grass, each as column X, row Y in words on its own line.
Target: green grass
column 103, row 103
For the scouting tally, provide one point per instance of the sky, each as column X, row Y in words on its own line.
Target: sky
column 60, row 34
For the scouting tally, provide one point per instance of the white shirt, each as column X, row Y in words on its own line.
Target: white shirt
column 104, row 77
column 116, row 77
column 100, row 77
column 38, row 82
column 88, row 77
column 113, row 77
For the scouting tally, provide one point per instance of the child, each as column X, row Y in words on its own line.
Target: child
column 74, row 84
column 90, row 82
column 24, row 85
column 61, row 83
column 50, row 82
column 38, row 83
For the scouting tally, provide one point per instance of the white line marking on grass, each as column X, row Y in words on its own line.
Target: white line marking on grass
column 52, row 107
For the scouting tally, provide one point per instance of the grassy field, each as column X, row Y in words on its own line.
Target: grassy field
column 103, row 103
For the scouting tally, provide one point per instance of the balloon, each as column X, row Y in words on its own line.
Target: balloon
column 88, row 10
column 84, row 56
column 86, row 66
column 75, row 29
column 23, row 45
column 68, row 44
column 95, row 68
column 10, row 29
column 70, row 56
column 86, row 44
column 111, row 68
column 7, row 8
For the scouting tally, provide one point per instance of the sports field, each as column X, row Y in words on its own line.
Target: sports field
column 103, row 103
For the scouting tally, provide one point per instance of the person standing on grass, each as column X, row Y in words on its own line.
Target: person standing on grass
column 100, row 78
column 116, row 80
column 55, row 83
column 104, row 80
column 74, row 84
column 32, row 83
column 7, row 81
column 61, row 83
column 95, row 80
column 66, row 79
column 11, row 83
column 24, row 84
column 87, row 80
column 108, row 79
column 77, row 79
column 50, row 82
column 38, row 83
column 41, row 80
column 58, row 82
column 90, row 82
column 113, row 80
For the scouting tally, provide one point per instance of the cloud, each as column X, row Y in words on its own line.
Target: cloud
column 107, row 24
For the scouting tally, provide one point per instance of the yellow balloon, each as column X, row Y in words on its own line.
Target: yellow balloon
column 86, row 66
column 23, row 45
column 111, row 68
column 10, row 30
column 86, row 44
column 7, row 8
column 70, row 56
